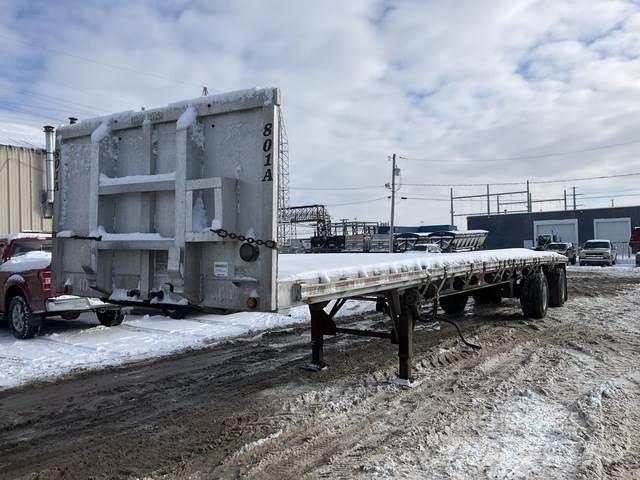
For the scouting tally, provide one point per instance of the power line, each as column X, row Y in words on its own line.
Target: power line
column 105, row 64
column 529, row 157
column 601, row 177
column 369, row 187
column 532, row 182
column 371, row 200
column 56, row 100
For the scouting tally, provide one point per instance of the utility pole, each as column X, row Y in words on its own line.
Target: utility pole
column 574, row 198
column 452, row 212
column 565, row 198
column 528, row 198
column 393, row 201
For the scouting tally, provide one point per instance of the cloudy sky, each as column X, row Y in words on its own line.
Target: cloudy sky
column 464, row 92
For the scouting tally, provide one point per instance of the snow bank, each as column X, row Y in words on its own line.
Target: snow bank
column 60, row 350
column 335, row 266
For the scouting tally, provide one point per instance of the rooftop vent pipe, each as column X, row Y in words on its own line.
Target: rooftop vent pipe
column 49, row 137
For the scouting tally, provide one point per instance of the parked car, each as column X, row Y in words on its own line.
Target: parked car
column 600, row 252
column 564, row 248
column 25, row 287
column 638, row 259
column 426, row 247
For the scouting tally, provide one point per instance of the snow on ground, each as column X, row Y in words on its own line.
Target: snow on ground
column 64, row 347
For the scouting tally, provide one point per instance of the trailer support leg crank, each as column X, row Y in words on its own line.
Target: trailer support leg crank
column 321, row 323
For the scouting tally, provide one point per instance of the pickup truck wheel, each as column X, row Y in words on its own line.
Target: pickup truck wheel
column 22, row 322
column 557, row 280
column 110, row 318
column 534, row 296
column 454, row 304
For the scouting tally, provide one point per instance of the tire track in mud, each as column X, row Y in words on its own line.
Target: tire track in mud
column 508, row 381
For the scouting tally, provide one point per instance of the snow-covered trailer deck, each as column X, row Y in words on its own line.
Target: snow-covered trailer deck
column 403, row 285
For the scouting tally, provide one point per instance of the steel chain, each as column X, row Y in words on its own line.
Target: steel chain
column 222, row 233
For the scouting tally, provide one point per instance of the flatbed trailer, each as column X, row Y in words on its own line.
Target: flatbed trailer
column 405, row 285
column 176, row 208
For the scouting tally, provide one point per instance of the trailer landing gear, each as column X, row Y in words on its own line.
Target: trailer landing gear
column 402, row 306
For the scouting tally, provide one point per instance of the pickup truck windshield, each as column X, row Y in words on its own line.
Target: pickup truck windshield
column 557, row 246
column 597, row 245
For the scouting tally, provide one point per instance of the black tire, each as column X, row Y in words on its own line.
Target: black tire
column 534, row 297
column 487, row 296
column 22, row 322
column 557, row 280
column 454, row 304
column 110, row 318
column 70, row 315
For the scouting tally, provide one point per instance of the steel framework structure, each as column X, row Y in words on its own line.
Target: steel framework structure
column 284, row 226
column 314, row 214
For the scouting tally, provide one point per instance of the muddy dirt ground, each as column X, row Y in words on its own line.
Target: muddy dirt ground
column 553, row 398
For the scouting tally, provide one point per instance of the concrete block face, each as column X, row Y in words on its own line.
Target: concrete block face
column 152, row 184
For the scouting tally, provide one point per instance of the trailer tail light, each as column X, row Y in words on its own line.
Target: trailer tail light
column 45, row 280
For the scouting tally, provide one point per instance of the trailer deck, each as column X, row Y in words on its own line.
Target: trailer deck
column 313, row 278
column 408, row 285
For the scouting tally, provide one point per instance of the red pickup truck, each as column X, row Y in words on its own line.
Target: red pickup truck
column 25, row 287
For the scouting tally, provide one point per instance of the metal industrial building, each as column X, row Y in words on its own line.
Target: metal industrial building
column 22, row 182
column 576, row 226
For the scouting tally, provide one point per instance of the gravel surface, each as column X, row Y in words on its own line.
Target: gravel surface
column 552, row 398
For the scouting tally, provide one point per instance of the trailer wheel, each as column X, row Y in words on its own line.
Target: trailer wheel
column 534, row 297
column 70, row 315
column 487, row 296
column 454, row 304
column 110, row 318
column 557, row 287
column 22, row 322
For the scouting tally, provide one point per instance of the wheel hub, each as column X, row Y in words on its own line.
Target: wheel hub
column 17, row 317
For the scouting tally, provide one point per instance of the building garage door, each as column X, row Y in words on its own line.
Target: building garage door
column 563, row 230
column 618, row 230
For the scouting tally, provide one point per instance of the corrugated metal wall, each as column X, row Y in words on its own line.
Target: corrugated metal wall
column 22, row 190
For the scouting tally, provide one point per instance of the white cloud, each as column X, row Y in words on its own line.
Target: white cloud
column 452, row 82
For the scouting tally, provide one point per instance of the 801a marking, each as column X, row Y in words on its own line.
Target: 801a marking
column 266, row 149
